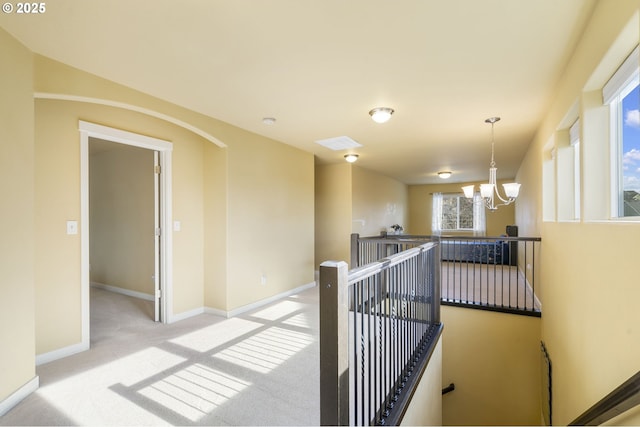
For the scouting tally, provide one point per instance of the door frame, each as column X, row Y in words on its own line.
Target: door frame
column 164, row 149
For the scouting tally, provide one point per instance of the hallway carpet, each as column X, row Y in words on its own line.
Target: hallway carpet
column 260, row 368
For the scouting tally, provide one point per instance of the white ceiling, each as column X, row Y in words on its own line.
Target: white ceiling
column 319, row 66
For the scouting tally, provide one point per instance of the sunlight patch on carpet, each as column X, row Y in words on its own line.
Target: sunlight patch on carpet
column 279, row 310
column 195, row 391
column 208, row 338
column 266, row 350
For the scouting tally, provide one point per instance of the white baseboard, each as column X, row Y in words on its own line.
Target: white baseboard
column 123, row 291
column 240, row 310
column 215, row 312
column 41, row 359
column 258, row 304
column 17, row 396
column 185, row 315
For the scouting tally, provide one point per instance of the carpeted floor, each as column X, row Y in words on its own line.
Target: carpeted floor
column 260, row 368
column 495, row 285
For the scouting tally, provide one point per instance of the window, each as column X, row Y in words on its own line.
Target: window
column 629, row 202
column 457, row 212
column 454, row 212
column 622, row 93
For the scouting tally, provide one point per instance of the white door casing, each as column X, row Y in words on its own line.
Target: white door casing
column 157, row 244
column 163, row 272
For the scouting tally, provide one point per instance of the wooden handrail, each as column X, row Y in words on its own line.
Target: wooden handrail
column 620, row 400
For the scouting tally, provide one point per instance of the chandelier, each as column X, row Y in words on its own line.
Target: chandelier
column 489, row 192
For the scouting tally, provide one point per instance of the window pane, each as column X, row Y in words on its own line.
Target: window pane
column 631, row 154
column 457, row 213
column 449, row 213
column 466, row 213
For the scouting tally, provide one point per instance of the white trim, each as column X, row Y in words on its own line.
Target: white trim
column 124, row 137
column 187, row 314
column 19, row 395
column 166, row 238
column 245, row 308
column 85, row 303
column 574, row 133
column 148, row 112
column 60, row 353
column 164, row 148
column 216, row 312
column 123, row 291
column 627, row 72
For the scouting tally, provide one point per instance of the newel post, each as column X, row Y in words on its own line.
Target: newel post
column 355, row 249
column 334, row 343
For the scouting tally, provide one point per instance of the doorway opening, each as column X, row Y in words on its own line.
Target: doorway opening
column 123, row 218
column 118, row 207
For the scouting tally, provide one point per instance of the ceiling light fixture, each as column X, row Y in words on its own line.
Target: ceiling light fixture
column 444, row 174
column 381, row 114
column 488, row 191
column 269, row 121
column 351, row 157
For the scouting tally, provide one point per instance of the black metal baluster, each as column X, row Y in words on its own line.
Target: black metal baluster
column 495, row 271
column 362, row 357
column 533, row 276
column 375, row 350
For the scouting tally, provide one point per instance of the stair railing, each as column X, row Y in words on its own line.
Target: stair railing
column 620, row 400
column 379, row 325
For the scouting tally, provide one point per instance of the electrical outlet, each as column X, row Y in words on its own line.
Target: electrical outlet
column 72, row 227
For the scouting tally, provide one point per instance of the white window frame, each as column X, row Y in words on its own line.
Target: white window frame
column 574, row 142
column 473, row 218
column 623, row 81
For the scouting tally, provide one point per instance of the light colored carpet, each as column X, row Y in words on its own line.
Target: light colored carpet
column 261, row 368
column 495, row 285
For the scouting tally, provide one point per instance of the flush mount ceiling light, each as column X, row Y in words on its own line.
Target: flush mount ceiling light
column 381, row 114
column 269, row 121
column 488, row 191
column 351, row 157
column 444, row 174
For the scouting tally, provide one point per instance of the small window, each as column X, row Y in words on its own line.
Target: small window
column 622, row 93
column 457, row 212
column 574, row 136
column 630, row 162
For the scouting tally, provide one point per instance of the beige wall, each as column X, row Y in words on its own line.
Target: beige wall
column 333, row 209
column 270, row 218
column 17, row 358
column 58, row 199
column 121, row 217
column 378, row 203
column 215, row 226
column 350, row 199
column 188, row 208
column 425, row 408
column 420, row 208
column 494, row 361
column 590, row 317
column 267, row 223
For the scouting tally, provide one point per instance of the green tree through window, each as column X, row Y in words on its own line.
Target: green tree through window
column 457, row 212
